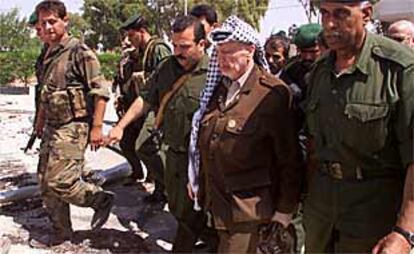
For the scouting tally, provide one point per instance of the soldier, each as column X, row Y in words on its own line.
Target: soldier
column 402, row 31
column 72, row 98
column 307, row 43
column 149, row 52
column 360, row 110
column 250, row 173
column 277, row 53
column 175, row 89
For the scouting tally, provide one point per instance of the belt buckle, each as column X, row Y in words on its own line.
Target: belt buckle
column 335, row 170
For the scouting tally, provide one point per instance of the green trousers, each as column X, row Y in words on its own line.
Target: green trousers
column 350, row 216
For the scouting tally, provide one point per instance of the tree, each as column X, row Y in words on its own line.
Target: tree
column 106, row 16
column 77, row 25
column 14, row 32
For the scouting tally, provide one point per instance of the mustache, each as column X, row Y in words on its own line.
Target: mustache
column 332, row 34
column 181, row 57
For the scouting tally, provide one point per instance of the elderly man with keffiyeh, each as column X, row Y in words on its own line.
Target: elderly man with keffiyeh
column 245, row 162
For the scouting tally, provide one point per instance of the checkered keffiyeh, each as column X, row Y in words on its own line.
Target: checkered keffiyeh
column 233, row 29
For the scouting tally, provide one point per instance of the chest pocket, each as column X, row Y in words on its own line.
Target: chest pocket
column 239, row 136
column 367, row 126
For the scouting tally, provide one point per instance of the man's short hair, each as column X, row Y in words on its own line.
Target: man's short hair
column 54, row 6
column 206, row 11
column 183, row 22
column 276, row 41
column 403, row 25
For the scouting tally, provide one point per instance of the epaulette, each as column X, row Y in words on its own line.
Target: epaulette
column 393, row 51
column 268, row 80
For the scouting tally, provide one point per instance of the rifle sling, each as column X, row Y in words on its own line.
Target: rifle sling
column 167, row 97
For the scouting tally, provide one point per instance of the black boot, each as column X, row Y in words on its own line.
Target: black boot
column 50, row 239
column 102, row 205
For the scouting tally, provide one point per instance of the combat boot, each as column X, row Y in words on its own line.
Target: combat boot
column 102, row 205
column 51, row 239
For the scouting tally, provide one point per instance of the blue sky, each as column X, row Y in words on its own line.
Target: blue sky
column 280, row 15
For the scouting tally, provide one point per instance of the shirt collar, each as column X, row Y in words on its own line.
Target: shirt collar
column 242, row 80
column 362, row 60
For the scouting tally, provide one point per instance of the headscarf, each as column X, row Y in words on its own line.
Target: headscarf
column 233, row 29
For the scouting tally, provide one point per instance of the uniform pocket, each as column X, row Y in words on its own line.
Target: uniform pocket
column 252, row 205
column 78, row 101
column 367, row 126
column 58, row 109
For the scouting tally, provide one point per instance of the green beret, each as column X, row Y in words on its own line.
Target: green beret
column 33, row 19
column 136, row 21
column 307, row 35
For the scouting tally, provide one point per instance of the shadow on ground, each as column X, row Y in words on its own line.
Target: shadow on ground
column 138, row 227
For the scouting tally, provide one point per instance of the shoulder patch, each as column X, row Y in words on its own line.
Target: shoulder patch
column 393, row 51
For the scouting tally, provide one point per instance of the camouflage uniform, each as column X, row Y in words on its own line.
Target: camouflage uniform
column 70, row 72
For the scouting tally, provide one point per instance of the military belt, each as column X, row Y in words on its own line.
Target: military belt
column 338, row 171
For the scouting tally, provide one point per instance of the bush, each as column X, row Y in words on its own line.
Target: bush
column 109, row 61
column 19, row 65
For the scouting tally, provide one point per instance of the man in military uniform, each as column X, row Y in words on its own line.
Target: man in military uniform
column 306, row 41
column 141, row 62
column 402, row 31
column 360, row 110
column 277, row 53
column 175, row 89
column 72, row 98
column 250, row 175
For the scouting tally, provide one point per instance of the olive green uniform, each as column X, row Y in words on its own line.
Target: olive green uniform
column 362, row 124
column 71, row 77
column 176, row 133
column 145, row 62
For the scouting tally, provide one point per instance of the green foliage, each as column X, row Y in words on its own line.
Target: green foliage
column 109, row 62
column 106, row 16
column 14, row 31
column 17, row 65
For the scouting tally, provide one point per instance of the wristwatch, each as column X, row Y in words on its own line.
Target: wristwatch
column 409, row 236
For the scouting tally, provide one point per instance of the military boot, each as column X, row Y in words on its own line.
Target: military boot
column 50, row 239
column 102, row 205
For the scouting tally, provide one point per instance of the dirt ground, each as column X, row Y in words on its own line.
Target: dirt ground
column 133, row 226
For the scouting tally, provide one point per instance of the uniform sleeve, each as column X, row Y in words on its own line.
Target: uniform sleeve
column 405, row 120
column 289, row 170
column 90, row 70
column 161, row 51
column 152, row 95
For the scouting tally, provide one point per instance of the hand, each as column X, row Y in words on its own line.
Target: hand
column 190, row 191
column 96, row 138
column 115, row 135
column 393, row 243
column 283, row 218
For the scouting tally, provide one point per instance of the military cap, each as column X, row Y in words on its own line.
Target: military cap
column 33, row 19
column 307, row 35
column 136, row 21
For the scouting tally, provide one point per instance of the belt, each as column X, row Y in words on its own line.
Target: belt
column 337, row 171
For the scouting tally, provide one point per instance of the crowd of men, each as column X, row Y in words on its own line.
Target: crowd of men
column 254, row 149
